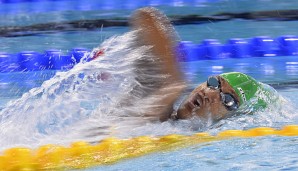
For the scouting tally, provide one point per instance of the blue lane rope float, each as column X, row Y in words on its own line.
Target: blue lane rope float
column 260, row 46
column 209, row 49
column 34, row 61
column 81, row 155
column 127, row 2
column 39, row 6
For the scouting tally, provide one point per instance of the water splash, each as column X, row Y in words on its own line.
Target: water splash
column 276, row 115
column 73, row 97
column 83, row 103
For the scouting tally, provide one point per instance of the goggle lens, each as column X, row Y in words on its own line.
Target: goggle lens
column 229, row 101
column 213, row 82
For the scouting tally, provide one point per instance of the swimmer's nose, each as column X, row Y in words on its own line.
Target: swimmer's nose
column 187, row 107
column 196, row 101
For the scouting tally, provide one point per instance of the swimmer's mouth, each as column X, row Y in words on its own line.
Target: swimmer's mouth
column 190, row 107
column 196, row 102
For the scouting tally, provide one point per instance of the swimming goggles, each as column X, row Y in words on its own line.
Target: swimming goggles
column 227, row 99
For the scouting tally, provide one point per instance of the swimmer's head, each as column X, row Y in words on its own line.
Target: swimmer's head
column 219, row 96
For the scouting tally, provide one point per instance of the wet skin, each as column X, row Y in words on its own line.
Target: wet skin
column 154, row 29
column 206, row 103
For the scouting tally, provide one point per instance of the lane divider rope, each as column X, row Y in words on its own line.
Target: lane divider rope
column 80, row 155
column 209, row 49
column 41, row 6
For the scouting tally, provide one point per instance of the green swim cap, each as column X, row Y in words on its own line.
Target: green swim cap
column 249, row 90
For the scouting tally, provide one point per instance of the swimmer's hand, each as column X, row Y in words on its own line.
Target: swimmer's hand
column 158, row 72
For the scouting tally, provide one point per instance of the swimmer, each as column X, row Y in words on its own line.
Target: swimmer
column 219, row 97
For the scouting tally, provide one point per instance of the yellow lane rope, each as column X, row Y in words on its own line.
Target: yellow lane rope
column 81, row 155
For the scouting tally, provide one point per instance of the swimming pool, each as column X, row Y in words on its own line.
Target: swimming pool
column 42, row 125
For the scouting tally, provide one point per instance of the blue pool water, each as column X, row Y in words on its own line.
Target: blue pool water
column 64, row 107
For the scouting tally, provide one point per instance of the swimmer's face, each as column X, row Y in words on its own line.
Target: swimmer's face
column 213, row 99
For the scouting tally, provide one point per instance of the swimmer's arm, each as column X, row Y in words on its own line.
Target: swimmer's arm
column 155, row 30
